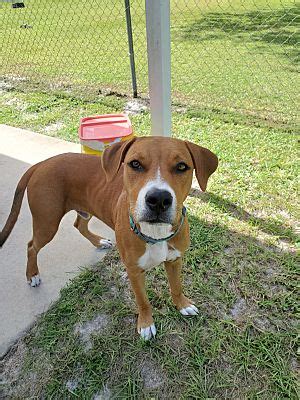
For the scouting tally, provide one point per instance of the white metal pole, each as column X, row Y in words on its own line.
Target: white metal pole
column 159, row 65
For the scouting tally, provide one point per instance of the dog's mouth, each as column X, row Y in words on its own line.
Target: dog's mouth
column 153, row 218
column 156, row 220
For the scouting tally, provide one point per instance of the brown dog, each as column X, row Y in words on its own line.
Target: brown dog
column 138, row 189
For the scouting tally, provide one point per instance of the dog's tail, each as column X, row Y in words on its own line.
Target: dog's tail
column 16, row 205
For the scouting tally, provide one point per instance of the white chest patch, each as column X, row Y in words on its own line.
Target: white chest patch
column 157, row 253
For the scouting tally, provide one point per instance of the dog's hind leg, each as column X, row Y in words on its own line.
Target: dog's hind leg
column 44, row 229
column 81, row 224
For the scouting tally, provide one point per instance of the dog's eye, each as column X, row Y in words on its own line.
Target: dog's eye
column 135, row 164
column 182, row 167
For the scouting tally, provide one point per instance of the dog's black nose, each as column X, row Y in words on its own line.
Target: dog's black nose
column 159, row 200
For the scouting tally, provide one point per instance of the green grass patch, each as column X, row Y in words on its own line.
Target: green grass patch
column 240, row 270
column 230, row 56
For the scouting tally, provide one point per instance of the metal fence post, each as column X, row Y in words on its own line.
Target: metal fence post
column 159, row 65
column 131, row 49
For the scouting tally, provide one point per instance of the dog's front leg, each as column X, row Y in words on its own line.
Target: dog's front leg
column 145, row 325
column 183, row 304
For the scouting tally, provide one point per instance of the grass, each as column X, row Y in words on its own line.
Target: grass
column 229, row 56
column 240, row 270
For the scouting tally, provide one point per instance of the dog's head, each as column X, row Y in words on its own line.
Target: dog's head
column 158, row 174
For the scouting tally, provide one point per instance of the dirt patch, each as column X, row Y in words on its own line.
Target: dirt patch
column 295, row 366
column 19, row 381
column 271, row 272
column 16, row 103
column 263, row 324
column 105, row 394
column 175, row 341
column 239, row 309
column 72, row 384
column 152, row 375
column 285, row 246
column 29, row 116
column 53, row 127
column 5, row 86
column 11, row 368
column 230, row 250
column 134, row 107
column 98, row 325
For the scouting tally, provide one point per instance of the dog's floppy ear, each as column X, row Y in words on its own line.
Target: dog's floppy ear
column 113, row 158
column 205, row 163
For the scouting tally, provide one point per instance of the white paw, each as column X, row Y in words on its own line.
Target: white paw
column 105, row 244
column 190, row 310
column 148, row 333
column 35, row 281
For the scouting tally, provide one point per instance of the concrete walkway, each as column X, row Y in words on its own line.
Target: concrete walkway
column 59, row 261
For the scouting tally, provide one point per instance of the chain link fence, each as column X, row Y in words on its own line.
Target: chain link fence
column 227, row 55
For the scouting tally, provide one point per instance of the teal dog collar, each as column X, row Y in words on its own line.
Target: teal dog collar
column 151, row 240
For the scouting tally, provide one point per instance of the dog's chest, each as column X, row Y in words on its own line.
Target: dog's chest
column 157, row 253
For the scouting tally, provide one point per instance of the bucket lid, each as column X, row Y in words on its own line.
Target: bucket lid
column 107, row 126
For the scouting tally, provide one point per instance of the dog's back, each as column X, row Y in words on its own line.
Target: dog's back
column 58, row 184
